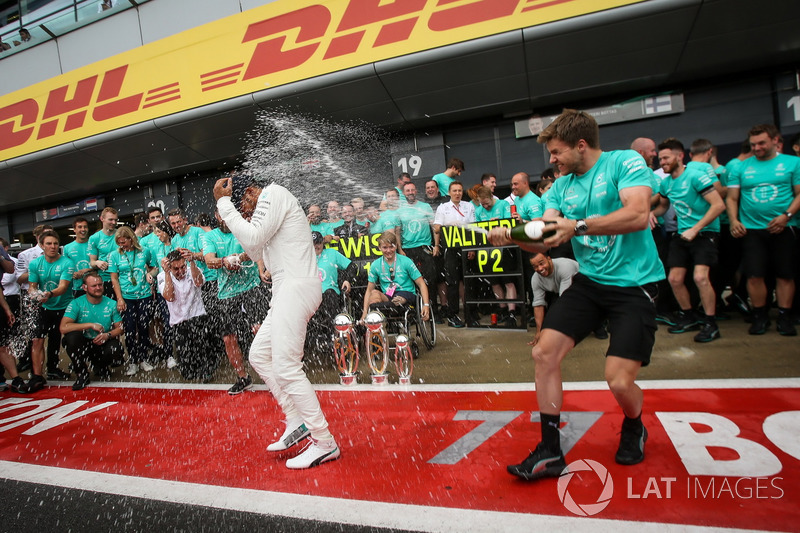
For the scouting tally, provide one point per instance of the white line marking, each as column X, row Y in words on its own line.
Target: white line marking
column 356, row 512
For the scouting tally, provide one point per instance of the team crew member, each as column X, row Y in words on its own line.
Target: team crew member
column 181, row 288
column 190, row 240
column 50, row 278
column 78, row 252
column 414, row 234
column 529, row 206
column 396, row 276
column 453, row 213
column 92, row 327
column 102, row 243
column 388, row 220
column 553, row 275
column 130, row 275
column 329, row 263
column 6, row 358
column 763, row 199
column 454, row 169
column 698, row 205
column 606, row 217
column 237, row 282
column 160, row 245
column 28, row 306
column 273, row 226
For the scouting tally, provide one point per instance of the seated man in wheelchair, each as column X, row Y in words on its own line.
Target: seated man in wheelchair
column 330, row 263
column 396, row 276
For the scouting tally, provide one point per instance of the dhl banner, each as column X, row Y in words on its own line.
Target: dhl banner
column 272, row 45
column 367, row 247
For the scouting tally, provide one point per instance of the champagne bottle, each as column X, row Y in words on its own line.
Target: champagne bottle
column 533, row 231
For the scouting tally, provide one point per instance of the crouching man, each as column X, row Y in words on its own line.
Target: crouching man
column 91, row 328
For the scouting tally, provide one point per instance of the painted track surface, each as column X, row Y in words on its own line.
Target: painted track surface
column 425, row 458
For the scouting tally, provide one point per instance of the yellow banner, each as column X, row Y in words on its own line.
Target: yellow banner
column 278, row 43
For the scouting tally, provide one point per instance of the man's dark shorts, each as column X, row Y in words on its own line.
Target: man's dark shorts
column 703, row 250
column 241, row 312
column 631, row 314
column 765, row 253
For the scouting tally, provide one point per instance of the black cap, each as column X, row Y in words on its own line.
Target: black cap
column 317, row 237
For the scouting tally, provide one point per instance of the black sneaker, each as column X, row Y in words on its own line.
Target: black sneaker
column 58, row 375
column 540, row 463
column 685, row 321
column 36, row 383
column 510, row 320
column 759, row 325
column 241, row 385
column 455, row 322
column 631, row 444
column 708, row 333
column 82, row 381
column 785, row 325
column 18, row 385
column 665, row 318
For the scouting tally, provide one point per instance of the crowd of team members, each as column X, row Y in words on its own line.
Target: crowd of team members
column 207, row 295
column 733, row 225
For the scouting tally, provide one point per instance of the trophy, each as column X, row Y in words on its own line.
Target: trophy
column 345, row 349
column 377, row 347
column 403, row 359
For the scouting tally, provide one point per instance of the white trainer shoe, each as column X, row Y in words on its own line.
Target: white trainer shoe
column 314, row 454
column 132, row 369
column 294, row 434
column 171, row 362
column 146, row 367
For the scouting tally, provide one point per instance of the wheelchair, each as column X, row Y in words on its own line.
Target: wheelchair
column 384, row 322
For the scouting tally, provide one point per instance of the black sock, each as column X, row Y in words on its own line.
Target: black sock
column 709, row 319
column 632, row 423
column 551, row 437
column 783, row 311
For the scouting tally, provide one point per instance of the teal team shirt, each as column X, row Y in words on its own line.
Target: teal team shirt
column 132, row 270
column 329, row 263
column 231, row 283
column 765, row 188
column 623, row 260
column 82, row 311
column 500, row 209
column 685, row 193
column 402, row 273
column 416, row 223
column 78, row 253
column 323, row 227
column 444, row 181
column 194, row 240
column 151, row 242
column 159, row 251
column 529, row 206
column 722, row 175
column 48, row 276
column 101, row 245
column 388, row 220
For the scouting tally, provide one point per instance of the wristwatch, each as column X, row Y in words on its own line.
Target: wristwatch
column 788, row 215
column 580, row 227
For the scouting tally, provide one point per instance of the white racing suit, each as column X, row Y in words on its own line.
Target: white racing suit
column 278, row 232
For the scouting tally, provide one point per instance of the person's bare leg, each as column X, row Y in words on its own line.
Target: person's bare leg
column 234, row 353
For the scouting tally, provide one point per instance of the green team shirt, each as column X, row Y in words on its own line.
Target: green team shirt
column 722, row 175
column 766, row 188
column 159, row 252
column 402, row 273
column 194, row 240
column 150, row 241
column 82, row 311
column 329, row 263
column 231, row 283
column 623, row 260
column 48, row 276
column 500, row 209
column 686, row 192
column 444, row 181
column 416, row 223
column 101, row 245
column 529, row 206
column 132, row 270
column 78, row 253
column 389, row 219
column 323, row 227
